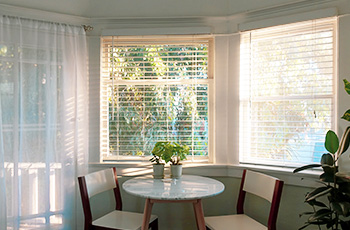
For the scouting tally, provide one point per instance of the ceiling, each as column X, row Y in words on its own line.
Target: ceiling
column 150, row 8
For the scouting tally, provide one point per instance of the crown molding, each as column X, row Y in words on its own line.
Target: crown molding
column 263, row 12
column 301, row 6
column 295, row 6
column 148, row 20
column 286, row 19
column 157, row 31
column 42, row 15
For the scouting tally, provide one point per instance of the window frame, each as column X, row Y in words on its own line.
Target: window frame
column 333, row 98
column 104, row 150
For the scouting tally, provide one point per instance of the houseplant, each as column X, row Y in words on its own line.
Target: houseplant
column 335, row 186
column 158, row 165
column 174, row 153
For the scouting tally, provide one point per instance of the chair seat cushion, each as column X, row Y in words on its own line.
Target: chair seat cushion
column 239, row 222
column 121, row 220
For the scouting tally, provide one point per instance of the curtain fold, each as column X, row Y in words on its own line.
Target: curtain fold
column 43, row 122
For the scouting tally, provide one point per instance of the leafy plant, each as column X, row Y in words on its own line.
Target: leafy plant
column 170, row 152
column 157, row 153
column 335, row 186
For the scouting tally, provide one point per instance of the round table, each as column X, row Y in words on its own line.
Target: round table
column 188, row 188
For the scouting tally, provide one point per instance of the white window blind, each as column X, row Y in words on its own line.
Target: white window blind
column 154, row 89
column 287, row 92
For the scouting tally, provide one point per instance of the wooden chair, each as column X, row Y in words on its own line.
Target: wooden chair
column 261, row 185
column 101, row 181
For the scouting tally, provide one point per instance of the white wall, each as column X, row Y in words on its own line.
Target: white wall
column 223, row 19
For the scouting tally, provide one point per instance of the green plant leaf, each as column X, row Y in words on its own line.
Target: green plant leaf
column 331, row 222
column 305, row 213
column 343, row 208
column 316, row 203
column 337, row 208
column 346, row 86
column 331, row 142
column 171, row 151
column 320, row 191
column 306, row 167
column 327, row 159
column 320, row 221
column 346, row 208
column 346, row 115
column 319, row 215
column 327, row 177
column 168, row 152
column 329, row 169
column 344, row 142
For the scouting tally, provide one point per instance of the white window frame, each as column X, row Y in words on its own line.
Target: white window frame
column 104, row 146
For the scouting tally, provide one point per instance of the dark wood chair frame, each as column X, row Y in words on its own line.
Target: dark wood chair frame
column 276, row 198
column 87, row 208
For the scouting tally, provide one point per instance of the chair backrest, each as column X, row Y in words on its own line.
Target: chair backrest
column 95, row 183
column 100, row 181
column 264, row 186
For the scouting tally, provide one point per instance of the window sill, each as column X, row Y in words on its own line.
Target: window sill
column 307, row 178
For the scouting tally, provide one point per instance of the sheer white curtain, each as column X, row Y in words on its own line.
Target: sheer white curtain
column 43, row 122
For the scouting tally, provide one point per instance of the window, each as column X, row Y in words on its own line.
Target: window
column 154, row 89
column 29, row 162
column 287, row 92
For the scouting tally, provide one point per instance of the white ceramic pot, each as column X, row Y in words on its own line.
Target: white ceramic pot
column 158, row 171
column 176, row 171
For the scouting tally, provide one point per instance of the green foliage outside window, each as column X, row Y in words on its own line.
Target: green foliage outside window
column 153, row 97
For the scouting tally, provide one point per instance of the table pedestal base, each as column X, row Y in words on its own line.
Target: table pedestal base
column 197, row 206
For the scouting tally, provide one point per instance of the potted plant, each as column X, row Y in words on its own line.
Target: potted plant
column 158, row 165
column 174, row 153
column 335, row 213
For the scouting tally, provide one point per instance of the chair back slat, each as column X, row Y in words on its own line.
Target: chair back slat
column 100, row 181
column 260, row 184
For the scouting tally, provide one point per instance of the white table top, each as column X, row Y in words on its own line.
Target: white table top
column 187, row 187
